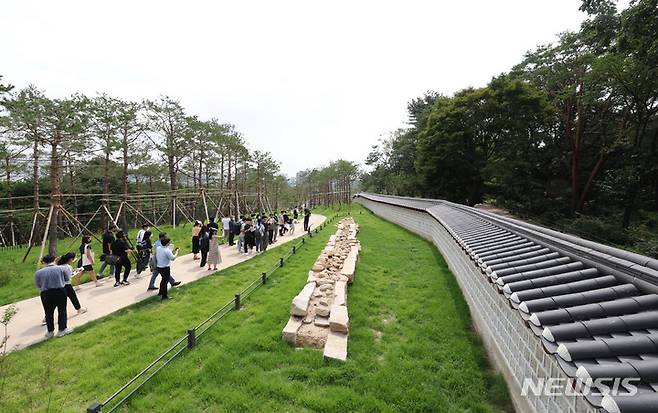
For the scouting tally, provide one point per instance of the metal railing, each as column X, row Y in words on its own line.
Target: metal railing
column 189, row 340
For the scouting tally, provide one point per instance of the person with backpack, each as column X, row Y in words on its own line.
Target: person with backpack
column 86, row 263
column 140, row 235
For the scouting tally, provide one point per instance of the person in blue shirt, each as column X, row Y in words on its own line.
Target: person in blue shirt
column 164, row 257
column 154, row 272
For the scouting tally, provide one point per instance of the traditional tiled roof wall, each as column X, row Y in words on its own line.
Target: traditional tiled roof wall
column 547, row 305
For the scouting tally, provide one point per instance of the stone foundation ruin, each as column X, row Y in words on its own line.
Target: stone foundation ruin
column 319, row 317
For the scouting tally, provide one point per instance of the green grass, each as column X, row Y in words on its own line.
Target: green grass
column 17, row 277
column 410, row 347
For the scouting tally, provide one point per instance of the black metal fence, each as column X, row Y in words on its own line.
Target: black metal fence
column 189, row 340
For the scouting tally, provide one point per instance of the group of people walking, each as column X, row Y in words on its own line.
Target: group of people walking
column 58, row 280
column 205, row 240
column 256, row 233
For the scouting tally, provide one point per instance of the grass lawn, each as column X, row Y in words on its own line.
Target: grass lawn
column 410, row 348
column 17, row 277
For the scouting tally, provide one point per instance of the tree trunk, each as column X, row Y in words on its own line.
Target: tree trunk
column 201, row 169
column 138, row 202
column 35, row 175
column 106, row 186
column 152, row 198
column 56, row 192
column 10, row 200
column 171, row 163
column 590, row 181
column 124, row 220
column 221, row 172
column 629, row 205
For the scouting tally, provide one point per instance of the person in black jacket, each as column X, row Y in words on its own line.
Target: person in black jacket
column 108, row 239
column 144, row 255
column 231, row 232
column 204, row 245
column 307, row 217
column 121, row 250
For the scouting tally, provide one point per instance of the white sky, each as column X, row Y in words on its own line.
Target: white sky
column 308, row 81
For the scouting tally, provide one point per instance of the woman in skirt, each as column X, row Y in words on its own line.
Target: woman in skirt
column 196, row 229
column 86, row 262
column 214, row 257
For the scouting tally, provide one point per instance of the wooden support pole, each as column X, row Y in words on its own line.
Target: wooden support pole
column 73, row 219
column 116, row 219
column 29, row 243
column 84, row 227
column 173, row 212
column 205, row 204
column 45, row 234
column 139, row 213
column 180, row 209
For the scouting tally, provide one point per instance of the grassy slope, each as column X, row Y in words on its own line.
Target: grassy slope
column 18, row 280
column 411, row 348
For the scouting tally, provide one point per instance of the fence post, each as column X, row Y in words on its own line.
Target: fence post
column 281, row 262
column 191, row 338
column 294, row 249
column 237, row 301
column 303, row 240
column 94, row 408
column 263, row 278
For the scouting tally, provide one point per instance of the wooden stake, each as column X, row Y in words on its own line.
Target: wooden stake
column 45, row 234
column 205, row 204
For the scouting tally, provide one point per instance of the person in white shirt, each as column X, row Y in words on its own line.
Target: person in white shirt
column 140, row 234
column 86, row 263
column 164, row 257
column 226, row 228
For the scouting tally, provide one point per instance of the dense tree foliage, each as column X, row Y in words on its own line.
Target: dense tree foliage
column 567, row 136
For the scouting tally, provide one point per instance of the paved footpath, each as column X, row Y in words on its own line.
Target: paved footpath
column 25, row 328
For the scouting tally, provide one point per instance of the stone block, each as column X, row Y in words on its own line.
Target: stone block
column 338, row 319
column 290, row 330
column 322, row 321
column 301, row 300
column 340, row 293
column 349, row 266
column 336, row 346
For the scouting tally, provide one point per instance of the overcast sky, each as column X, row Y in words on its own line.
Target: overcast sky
column 308, row 81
